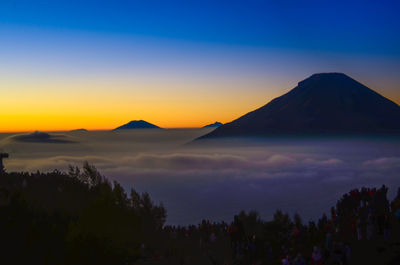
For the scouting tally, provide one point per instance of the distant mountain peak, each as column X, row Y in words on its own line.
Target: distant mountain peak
column 79, row 130
column 41, row 137
column 137, row 124
column 321, row 103
column 213, row 125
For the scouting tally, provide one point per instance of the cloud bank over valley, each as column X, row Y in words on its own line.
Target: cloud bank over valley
column 217, row 181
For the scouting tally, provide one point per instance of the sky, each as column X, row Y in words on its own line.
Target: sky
column 99, row 64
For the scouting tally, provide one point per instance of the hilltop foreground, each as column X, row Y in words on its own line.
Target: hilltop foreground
column 80, row 217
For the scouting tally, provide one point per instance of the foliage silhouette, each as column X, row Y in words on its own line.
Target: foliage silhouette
column 80, row 217
column 77, row 217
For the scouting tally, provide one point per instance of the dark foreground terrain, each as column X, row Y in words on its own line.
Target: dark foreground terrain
column 80, row 217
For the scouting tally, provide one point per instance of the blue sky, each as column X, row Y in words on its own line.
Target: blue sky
column 347, row 26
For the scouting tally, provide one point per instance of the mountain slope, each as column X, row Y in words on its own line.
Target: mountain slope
column 322, row 103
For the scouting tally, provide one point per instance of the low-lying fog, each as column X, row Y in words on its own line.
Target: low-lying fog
column 215, row 181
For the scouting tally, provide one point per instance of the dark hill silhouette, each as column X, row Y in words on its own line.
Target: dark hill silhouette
column 322, row 103
column 79, row 131
column 213, row 125
column 141, row 124
column 41, row 137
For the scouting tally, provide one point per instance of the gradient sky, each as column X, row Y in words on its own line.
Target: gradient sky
column 99, row 64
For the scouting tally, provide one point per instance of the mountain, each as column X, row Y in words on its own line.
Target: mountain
column 141, row 124
column 213, row 125
column 79, row 131
column 41, row 137
column 322, row 103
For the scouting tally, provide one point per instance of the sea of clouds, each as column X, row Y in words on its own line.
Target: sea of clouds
column 216, row 180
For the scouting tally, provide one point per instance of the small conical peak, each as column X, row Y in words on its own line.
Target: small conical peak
column 138, row 124
column 213, row 125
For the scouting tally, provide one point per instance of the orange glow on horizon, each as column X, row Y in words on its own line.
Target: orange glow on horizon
column 105, row 106
column 34, row 104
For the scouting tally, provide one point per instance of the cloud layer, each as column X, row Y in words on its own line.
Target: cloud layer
column 217, row 182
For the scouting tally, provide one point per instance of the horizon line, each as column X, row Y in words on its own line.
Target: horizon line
column 107, row 130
